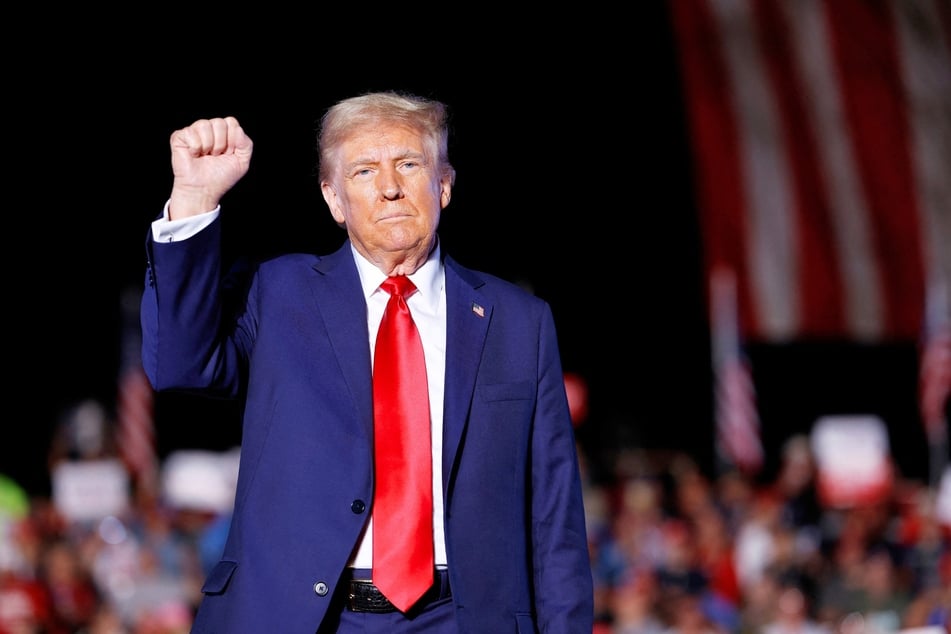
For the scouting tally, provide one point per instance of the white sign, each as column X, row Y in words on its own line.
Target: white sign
column 853, row 460
column 90, row 490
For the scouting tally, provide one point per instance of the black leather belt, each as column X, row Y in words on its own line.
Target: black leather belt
column 366, row 597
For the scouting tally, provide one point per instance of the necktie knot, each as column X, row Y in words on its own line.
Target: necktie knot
column 398, row 285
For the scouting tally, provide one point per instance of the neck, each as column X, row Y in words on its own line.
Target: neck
column 405, row 262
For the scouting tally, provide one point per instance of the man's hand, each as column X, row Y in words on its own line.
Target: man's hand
column 208, row 158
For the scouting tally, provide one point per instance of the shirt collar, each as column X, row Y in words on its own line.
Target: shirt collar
column 427, row 278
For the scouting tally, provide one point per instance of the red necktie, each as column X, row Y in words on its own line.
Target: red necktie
column 403, row 506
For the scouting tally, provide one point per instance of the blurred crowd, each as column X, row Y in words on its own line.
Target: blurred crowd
column 112, row 548
column 674, row 550
column 678, row 551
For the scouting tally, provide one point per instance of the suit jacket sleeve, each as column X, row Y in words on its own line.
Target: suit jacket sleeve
column 561, row 561
column 181, row 316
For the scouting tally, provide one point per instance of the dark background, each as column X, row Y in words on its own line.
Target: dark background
column 573, row 178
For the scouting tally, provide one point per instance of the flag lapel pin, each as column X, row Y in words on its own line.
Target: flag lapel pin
column 478, row 310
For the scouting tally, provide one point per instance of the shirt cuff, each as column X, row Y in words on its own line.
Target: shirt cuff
column 166, row 230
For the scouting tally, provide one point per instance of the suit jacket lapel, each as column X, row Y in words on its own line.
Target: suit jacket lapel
column 468, row 313
column 340, row 304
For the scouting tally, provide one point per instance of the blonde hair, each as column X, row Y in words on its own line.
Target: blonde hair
column 429, row 116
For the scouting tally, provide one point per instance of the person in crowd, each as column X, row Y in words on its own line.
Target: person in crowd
column 500, row 544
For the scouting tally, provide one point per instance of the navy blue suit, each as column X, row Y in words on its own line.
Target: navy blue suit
column 298, row 353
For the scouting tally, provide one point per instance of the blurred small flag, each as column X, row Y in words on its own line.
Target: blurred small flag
column 135, row 403
column 737, row 420
column 935, row 364
column 136, row 432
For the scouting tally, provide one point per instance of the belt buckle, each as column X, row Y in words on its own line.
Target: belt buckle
column 366, row 597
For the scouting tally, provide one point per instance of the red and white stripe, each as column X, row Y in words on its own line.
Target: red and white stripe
column 135, row 435
column 935, row 366
column 737, row 419
column 821, row 135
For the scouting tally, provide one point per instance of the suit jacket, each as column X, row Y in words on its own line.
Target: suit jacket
column 297, row 351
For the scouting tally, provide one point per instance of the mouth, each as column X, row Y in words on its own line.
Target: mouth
column 395, row 217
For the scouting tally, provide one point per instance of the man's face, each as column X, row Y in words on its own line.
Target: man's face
column 388, row 192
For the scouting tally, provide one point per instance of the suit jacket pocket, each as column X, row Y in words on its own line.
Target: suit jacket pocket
column 218, row 578
column 525, row 623
column 523, row 390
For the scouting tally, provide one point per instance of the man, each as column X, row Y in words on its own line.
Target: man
column 504, row 536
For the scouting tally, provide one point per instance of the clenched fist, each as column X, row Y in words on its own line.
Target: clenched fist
column 208, row 158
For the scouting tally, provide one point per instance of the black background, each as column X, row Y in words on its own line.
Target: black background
column 573, row 178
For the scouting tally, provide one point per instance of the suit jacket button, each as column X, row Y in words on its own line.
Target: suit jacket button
column 321, row 589
column 358, row 506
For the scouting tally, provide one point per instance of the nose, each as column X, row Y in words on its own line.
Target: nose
column 389, row 184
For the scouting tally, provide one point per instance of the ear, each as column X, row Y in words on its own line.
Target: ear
column 445, row 190
column 333, row 202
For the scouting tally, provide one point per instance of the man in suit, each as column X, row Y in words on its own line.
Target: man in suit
column 506, row 545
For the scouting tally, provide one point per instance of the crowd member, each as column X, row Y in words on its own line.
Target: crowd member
column 505, row 544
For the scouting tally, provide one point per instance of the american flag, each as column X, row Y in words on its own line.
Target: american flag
column 135, row 435
column 821, row 136
column 135, row 404
column 821, row 145
column 935, row 365
column 737, row 419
